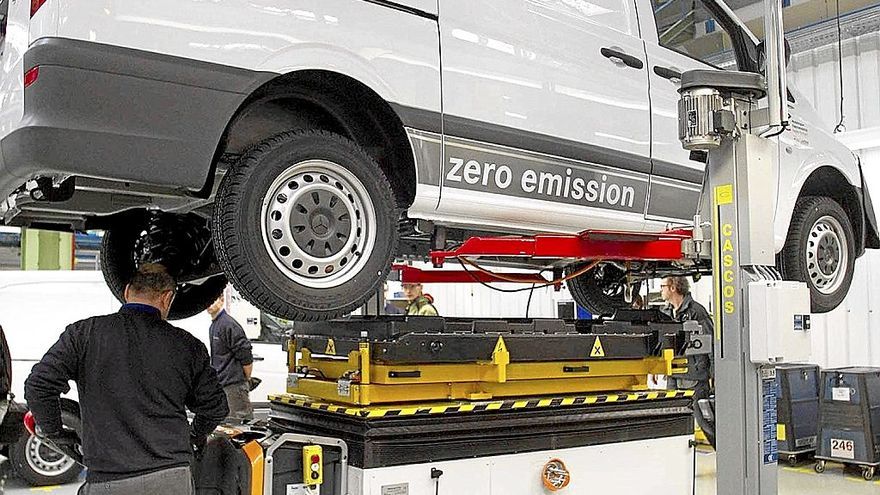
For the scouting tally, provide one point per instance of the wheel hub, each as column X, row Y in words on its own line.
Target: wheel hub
column 44, row 460
column 320, row 225
column 318, row 221
column 829, row 254
column 826, row 254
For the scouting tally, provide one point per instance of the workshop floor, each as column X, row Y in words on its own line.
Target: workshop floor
column 792, row 481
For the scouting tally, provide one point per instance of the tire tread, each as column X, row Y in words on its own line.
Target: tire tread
column 230, row 251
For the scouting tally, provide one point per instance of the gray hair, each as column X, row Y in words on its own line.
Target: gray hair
column 681, row 285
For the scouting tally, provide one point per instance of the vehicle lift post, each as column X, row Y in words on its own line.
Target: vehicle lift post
column 717, row 113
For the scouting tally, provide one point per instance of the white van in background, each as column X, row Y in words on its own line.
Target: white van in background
column 36, row 306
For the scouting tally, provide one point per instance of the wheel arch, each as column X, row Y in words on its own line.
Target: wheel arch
column 325, row 100
column 829, row 182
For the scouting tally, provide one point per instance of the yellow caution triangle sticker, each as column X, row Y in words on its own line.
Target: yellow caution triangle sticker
column 500, row 355
column 597, row 351
column 331, row 348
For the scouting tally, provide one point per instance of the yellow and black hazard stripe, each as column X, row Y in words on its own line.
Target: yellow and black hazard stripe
column 479, row 406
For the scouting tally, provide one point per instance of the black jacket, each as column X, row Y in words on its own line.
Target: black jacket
column 700, row 367
column 5, row 367
column 136, row 376
column 230, row 349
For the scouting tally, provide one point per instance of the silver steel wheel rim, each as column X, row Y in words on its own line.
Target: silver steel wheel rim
column 318, row 224
column 827, row 256
column 44, row 460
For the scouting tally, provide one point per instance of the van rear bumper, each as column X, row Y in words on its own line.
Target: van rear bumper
column 121, row 114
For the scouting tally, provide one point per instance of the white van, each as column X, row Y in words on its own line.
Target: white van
column 36, row 306
column 304, row 144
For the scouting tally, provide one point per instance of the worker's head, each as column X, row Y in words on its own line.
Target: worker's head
column 674, row 288
column 217, row 306
column 412, row 291
column 152, row 285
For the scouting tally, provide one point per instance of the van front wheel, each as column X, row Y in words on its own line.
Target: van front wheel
column 601, row 290
column 820, row 250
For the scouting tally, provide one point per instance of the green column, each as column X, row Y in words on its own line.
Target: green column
column 46, row 250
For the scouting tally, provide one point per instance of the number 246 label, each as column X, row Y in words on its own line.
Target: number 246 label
column 843, row 449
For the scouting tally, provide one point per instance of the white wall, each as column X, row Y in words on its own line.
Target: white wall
column 816, row 74
column 476, row 300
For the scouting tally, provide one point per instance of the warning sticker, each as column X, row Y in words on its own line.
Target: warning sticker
column 331, row 348
column 597, row 350
column 343, row 387
column 724, row 194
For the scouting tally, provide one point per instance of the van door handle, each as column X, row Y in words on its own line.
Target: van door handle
column 621, row 57
column 667, row 73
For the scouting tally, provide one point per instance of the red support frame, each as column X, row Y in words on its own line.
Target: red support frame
column 589, row 245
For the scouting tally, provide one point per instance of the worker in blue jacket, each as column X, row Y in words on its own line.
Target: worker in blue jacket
column 233, row 359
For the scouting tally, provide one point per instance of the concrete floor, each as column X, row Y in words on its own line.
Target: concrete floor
column 800, row 480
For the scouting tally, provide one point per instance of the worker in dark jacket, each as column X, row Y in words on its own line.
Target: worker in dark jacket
column 5, row 375
column 680, row 306
column 233, row 359
column 136, row 375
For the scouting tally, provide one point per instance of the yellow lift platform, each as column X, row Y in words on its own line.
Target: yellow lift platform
column 396, row 360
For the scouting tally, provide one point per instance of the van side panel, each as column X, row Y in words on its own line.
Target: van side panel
column 195, row 62
column 394, row 52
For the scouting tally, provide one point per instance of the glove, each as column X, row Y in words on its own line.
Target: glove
column 66, row 442
column 253, row 383
column 198, row 443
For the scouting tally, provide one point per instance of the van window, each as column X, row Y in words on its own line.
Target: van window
column 614, row 14
column 688, row 28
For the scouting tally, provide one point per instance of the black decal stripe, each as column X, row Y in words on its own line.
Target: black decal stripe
column 427, row 120
column 151, row 66
column 678, row 172
column 668, row 202
column 419, row 118
column 404, row 8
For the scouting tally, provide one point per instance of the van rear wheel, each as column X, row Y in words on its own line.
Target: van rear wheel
column 175, row 241
column 305, row 225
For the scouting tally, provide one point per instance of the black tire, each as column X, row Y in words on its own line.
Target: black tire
column 601, row 291
column 41, row 466
column 820, row 230
column 277, row 274
column 118, row 266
